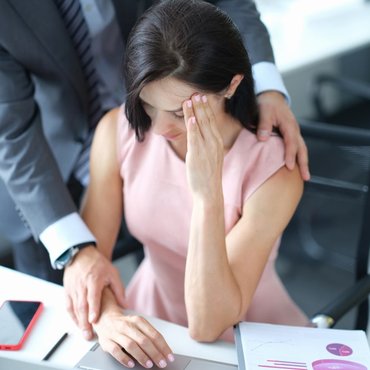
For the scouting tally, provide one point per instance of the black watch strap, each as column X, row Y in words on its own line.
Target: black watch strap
column 84, row 245
column 67, row 257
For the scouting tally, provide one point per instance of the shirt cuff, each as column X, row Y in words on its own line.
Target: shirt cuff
column 267, row 77
column 67, row 232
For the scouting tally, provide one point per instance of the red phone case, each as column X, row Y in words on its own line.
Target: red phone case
column 15, row 347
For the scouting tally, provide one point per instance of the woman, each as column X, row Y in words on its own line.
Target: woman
column 208, row 201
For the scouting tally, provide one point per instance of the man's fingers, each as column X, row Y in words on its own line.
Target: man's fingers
column 291, row 135
column 94, row 294
column 291, row 150
column 295, row 149
column 264, row 128
column 274, row 112
column 95, row 290
column 82, row 311
column 118, row 290
column 263, row 135
column 302, row 158
column 70, row 308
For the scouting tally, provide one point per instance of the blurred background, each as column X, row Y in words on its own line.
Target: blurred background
column 318, row 45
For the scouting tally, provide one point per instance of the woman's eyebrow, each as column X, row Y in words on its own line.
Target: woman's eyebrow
column 170, row 111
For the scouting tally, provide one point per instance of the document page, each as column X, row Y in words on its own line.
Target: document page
column 269, row 347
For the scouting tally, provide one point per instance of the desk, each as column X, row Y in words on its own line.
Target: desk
column 54, row 321
column 304, row 32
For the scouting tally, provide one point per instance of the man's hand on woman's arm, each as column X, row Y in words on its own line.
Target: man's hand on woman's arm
column 275, row 112
column 102, row 208
column 84, row 280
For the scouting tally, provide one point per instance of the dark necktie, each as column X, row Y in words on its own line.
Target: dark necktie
column 72, row 15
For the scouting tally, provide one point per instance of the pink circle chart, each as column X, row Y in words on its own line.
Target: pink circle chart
column 339, row 349
column 335, row 364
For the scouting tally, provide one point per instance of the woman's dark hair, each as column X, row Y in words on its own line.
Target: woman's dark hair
column 194, row 42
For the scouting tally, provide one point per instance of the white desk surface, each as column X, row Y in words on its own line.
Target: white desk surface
column 54, row 321
column 304, row 32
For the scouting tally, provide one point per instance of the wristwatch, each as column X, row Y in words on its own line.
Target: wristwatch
column 67, row 257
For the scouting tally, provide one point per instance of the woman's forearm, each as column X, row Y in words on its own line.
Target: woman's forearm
column 212, row 295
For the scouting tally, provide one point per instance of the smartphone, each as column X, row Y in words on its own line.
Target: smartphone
column 16, row 321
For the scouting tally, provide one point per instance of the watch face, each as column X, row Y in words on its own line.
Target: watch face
column 66, row 258
column 62, row 260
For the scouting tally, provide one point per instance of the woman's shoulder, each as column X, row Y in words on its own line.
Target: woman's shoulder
column 262, row 153
column 106, row 128
column 122, row 124
column 262, row 159
column 113, row 130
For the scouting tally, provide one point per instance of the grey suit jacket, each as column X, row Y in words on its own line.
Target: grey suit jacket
column 43, row 102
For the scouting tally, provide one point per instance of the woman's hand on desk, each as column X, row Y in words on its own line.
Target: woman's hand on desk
column 130, row 337
column 84, row 280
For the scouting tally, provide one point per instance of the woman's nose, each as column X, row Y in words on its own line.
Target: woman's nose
column 161, row 122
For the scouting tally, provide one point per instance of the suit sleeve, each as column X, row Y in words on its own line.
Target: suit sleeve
column 257, row 42
column 27, row 165
column 255, row 35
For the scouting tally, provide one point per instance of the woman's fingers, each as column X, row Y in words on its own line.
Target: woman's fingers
column 116, row 351
column 132, row 338
column 205, row 119
column 161, row 345
column 193, row 134
column 200, row 102
column 145, row 343
column 134, row 346
column 210, row 116
column 187, row 108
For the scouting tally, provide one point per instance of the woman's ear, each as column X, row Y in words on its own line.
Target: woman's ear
column 235, row 81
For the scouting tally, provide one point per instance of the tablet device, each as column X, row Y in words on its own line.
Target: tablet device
column 16, row 321
column 97, row 359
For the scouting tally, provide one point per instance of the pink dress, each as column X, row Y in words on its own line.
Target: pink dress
column 158, row 205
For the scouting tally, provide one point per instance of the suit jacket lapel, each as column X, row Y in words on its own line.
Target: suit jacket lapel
column 42, row 17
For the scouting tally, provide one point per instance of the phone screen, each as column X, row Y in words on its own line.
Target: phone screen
column 16, row 320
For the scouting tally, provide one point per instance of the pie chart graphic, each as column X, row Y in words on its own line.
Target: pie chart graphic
column 335, row 364
column 339, row 349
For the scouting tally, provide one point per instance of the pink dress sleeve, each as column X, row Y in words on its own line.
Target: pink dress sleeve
column 265, row 159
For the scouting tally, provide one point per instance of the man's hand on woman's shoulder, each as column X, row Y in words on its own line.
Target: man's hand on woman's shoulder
column 275, row 112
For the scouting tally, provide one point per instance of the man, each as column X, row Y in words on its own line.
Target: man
column 46, row 123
